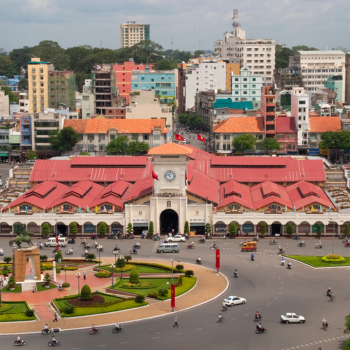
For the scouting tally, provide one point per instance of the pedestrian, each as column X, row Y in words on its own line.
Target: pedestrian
column 55, row 317
column 84, row 275
column 175, row 324
column 11, row 233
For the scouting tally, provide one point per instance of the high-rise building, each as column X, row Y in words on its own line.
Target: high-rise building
column 4, row 104
column 317, row 66
column 62, row 89
column 347, row 80
column 38, row 85
column 257, row 54
column 132, row 33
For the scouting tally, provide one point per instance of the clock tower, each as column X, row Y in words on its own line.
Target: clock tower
column 170, row 164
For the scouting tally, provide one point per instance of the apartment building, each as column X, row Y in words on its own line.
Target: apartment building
column 23, row 102
column 347, row 80
column 257, row 54
column 132, row 33
column 204, row 76
column 286, row 132
column 164, row 83
column 123, row 76
column 62, row 88
column 25, row 133
column 95, row 134
column 300, row 106
column 335, row 83
column 268, row 110
column 87, row 100
column 4, row 104
column 38, row 84
column 317, row 66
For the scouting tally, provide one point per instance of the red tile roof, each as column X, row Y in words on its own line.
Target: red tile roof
column 323, row 124
column 108, row 161
column 204, row 186
column 141, row 188
column 170, row 148
column 240, row 125
column 234, row 192
column 123, row 126
column 285, row 124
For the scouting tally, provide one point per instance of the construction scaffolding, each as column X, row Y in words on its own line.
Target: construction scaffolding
column 62, row 86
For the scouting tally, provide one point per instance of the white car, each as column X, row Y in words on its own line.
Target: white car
column 177, row 238
column 291, row 317
column 233, row 300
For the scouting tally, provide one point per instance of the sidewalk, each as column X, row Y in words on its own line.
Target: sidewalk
column 209, row 285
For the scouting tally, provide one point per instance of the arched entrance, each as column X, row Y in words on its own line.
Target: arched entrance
column 169, row 220
column 276, row 229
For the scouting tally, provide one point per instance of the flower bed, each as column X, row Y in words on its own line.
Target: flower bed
column 333, row 259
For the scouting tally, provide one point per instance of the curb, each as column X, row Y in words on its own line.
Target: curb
column 316, row 268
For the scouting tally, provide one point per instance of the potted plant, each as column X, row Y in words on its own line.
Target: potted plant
column 263, row 229
column 290, row 230
column 47, row 280
column 11, row 282
column 232, row 230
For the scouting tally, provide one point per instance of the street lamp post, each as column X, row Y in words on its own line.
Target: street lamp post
column 121, row 268
column 99, row 257
column 78, row 277
column 172, row 271
column 112, row 267
column 65, row 273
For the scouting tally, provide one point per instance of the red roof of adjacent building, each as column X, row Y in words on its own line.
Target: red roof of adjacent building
column 323, row 124
column 141, row 188
column 234, row 192
column 170, row 148
column 204, row 186
column 285, row 125
column 240, row 125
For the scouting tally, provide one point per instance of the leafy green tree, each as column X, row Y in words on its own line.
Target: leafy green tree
column 290, row 229
column 129, row 229
column 47, row 279
column 346, row 230
column 73, row 228
column 120, row 263
column 282, row 56
column 64, row 140
column 134, row 276
column 127, row 258
column 269, row 144
column 31, row 155
column 318, row 229
column 147, row 51
column 207, row 229
column 90, row 257
column 186, row 228
column 7, row 66
column 263, row 228
column 232, row 229
column 46, row 230
column 303, row 48
column 102, row 229
column 23, row 84
column 137, row 148
column 7, row 259
column 58, row 256
column 198, row 53
column 85, row 293
column 8, row 92
column 11, row 281
column 119, row 145
column 151, row 229
column 165, row 65
column 191, row 120
column 244, row 142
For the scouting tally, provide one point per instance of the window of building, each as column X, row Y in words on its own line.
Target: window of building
column 302, row 102
column 152, row 79
column 101, row 147
column 112, row 136
column 156, row 137
column 226, row 136
column 245, row 93
column 134, row 137
column 91, row 137
column 236, row 79
column 101, row 138
column 280, row 136
column 236, row 86
column 253, row 79
column 245, row 79
column 236, row 92
column 291, row 136
column 145, row 137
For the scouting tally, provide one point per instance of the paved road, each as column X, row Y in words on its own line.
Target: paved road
column 266, row 285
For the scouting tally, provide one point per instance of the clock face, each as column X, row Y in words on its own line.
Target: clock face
column 169, row 176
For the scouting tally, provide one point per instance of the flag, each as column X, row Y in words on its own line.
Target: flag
column 178, row 137
column 26, row 209
column 337, row 207
column 61, row 208
column 9, row 210
column 154, row 175
column 329, row 208
column 217, row 259
column 268, row 209
column 70, row 208
column 113, row 208
column 321, row 209
column 201, row 138
column 34, row 209
column 52, row 209
column 294, row 209
column 1, row 210
column 172, row 290
column 251, row 208
column 303, row 209
column 259, row 208
column 87, row 208
column 104, row 209
column 17, row 209
column 312, row 208
column 96, row 209
column 79, row 210
column 185, row 178
column 285, row 209
column 121, row 208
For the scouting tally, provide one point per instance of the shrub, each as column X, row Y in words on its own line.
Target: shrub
column 187, row 228
column 134, row 276
column 5, row 271
column 73, row 228
column 90, row 257
column 85, row 293
column 179, row 267
column 318, row 229
column 207, row 229
column 263, row 228
column 151, row 229
column 47, row 279
column 43, row 257
column 346, row 230
column 127, row 258
column 103, row 274
column 58, row 270
column 189, row 273
column 129, row 229
column 102, row 229
column 58, row 255
column 163, row 292
column 69, row 309
column 152, row 295
column 120, row 263
column 7, row 259
column 46, row 266
column 333, row 259
column 69, row 268
column 232, row 229
column 46, row 229
column 29, row 313
column 139, row 299
column 290, row 229
column 65, row 285
column 11, row 281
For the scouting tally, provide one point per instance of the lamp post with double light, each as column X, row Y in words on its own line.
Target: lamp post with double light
column 78, row 275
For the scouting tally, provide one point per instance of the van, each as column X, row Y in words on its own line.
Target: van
column 168, row 248
column 51, row 242
column 30, row 162
column 249, row 246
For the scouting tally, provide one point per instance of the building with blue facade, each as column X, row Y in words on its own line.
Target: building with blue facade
column 335, row 83
column 12, row 83
column 26, row 133
column 163, row 82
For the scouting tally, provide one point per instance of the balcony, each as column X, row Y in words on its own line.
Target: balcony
column 26, row 142
column 270, row 132
column 270, row 122
column 270, row 104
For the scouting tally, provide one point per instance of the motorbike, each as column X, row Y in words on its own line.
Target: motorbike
column 235, row 274
column 131, row 236
column 118, row 330
column 289, row 267
column 111, row 237
column 137, row 246
column 47, row 331
column 214, row 246
column 20, row 343
column 301, row 245
column 116, row 250
column 224, row 308
column 282, row 263
column 94, row 331
column 133, row 251
column 331, row 297
column 263, row 330
column 56, row 343
column 199, row 262
column 69, row 252
column 71, row 241
column 325, row 326
column 252, row 258
column 273, row 242
column 281, row 251
column 201, row 241
column 257, row 318
column 190, row 246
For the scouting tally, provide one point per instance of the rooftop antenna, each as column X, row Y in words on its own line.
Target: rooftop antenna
column 235, row 23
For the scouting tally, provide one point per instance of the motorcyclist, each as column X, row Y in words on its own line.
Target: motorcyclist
column 259, row 327
column 53, row 340
column 199, row 260
column 301, row 243
column 94, row 328
column 134, row 249
column 252, row 256
column 70, row 250
column 329, row 291
column 273, row 241
column 280, row 249
column 282, row 261
column 257, row 316
column 46, row 329
column 116, row 247
column 235, row 273
column 220, row 317
column 224, row 306
column 192, row 244
column 117, row 327
column 289, row 265
column 41, row 245
column 137, row 244
column 19, row 340
column 84, row 241
column 86, row 252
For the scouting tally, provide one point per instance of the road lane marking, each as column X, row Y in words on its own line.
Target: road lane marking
column 259, row 308
column 124, row 342
column 101, row 346
column 198, row 329
column 246, row 314
column 155, row 338
column 232, row 319
column 268, row 303
column 178, row 333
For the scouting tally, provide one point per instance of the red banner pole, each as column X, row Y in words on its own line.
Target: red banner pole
column 217, row 254
column 172, row 297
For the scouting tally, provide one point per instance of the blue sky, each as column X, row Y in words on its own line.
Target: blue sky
column 193, row 24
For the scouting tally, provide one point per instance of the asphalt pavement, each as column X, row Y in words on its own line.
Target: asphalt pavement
column 268, row 287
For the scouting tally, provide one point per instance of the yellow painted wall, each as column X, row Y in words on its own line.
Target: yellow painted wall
column 231, row 68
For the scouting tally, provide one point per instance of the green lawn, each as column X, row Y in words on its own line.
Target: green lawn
column 18, row 289
column 120, row 304
column 161, row 283
column 14, row 311
column 315, row 261
column 40, row 287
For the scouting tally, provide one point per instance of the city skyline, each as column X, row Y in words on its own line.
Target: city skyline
column 321, row 24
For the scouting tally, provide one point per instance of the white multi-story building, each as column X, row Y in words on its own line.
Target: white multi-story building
column 204, row 76
column 4, row 104
column 131, row 33
column 23, row 102
column 257, row 54
column 87, row 100
column 317, row 66
column 300, row 111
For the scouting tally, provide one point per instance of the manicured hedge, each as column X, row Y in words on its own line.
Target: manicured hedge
column 333, row 259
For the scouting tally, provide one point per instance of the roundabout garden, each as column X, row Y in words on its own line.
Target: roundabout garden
column 331, row 260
